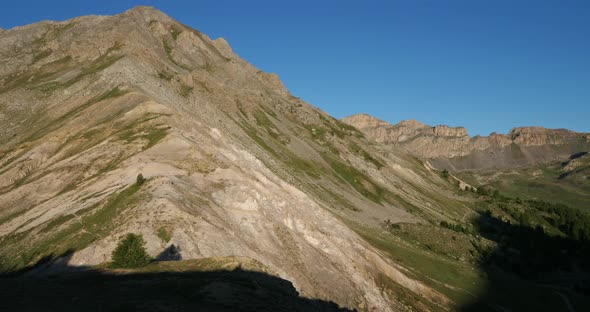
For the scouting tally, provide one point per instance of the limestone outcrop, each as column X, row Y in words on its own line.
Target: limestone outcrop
column 452, row 147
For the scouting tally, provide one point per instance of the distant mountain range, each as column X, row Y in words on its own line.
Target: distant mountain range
column 453, row 149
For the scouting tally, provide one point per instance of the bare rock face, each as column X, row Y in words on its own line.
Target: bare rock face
column 452, row 148
column 235, row 165
column 531, row 136
column 446, row 131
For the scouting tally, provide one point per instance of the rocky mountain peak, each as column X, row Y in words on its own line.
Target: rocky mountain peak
column 234, row 164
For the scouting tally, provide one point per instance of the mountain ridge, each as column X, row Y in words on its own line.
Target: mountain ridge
column 235, row 165
column 452, row 148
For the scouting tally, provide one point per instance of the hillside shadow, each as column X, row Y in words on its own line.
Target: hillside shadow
column 85, row 289
column 530, row 270
column 576, row 156
column 50, row 264
column 565, row 163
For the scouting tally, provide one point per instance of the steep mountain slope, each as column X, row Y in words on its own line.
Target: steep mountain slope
column 236, row 166
column 452, row 148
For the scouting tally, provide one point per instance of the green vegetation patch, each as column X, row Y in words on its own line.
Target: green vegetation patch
column 553, row 219
column 41, row 55
column 279, row 151
column 459, row 282
column 110, row 166
column 366, row 156
column 454, row 243
column 130, row 253
column 138, row 129
column 102, row 63
column 318, row 133
column 55, row 124
column 167, row 48
column 339, row 128
column 153, row 135
column 18, row 80
column 337, row 199
column 39, row 81
column 359, row 181
column 174, row 32
column 164, row 75
column 548, row 182
column 405, row 295
column 164, row 234
column 263, row 121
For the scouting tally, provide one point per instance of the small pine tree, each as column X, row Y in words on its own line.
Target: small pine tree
column 445, row 174
column 130, row 252
column 140, row 179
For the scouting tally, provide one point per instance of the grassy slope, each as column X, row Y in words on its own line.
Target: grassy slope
column 458, row 281
column 540, row 182
column 453, row 262
column 469, row 286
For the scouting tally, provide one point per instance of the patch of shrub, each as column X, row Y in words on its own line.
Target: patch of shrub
column 130, row 252
column 164, row 234
column 455, row 227
column 140, row 179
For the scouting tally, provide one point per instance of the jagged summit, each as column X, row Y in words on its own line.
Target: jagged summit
column 453, row 148
column 364, row 121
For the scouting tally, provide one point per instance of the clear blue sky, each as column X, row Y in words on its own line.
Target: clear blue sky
column 486, row 65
